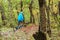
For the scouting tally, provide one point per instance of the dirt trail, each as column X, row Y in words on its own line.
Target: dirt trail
column 29, row 30
column 21, row 34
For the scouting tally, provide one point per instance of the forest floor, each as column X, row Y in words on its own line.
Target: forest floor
column 25, row 33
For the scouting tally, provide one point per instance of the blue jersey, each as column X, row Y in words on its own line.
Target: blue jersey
column 20, row 17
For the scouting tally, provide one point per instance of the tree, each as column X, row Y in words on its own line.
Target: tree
column 59, row 7
column 42, row 25
column 48, row 20
column 21, row 5
column 32, row 16
column 2, row 14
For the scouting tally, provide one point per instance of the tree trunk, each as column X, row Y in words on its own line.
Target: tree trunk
column 32, row 16
column 48, row 20
column 59, row 7
column 40, row 35
column 2, row 15
column 42, row 26
column 21, row 5
column 48, row 23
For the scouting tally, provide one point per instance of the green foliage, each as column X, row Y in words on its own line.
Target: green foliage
column 10, row 9
column 26, row 2
column 27, row 15
column 35, row 4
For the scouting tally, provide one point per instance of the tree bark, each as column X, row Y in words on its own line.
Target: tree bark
column 48, row 23
column 40, row 35
column 48, row 20
column 42, row 26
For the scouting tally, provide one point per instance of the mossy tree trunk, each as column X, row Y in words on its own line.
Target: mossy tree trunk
column 31, row 14
column 42, row 26
column 48, row 20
